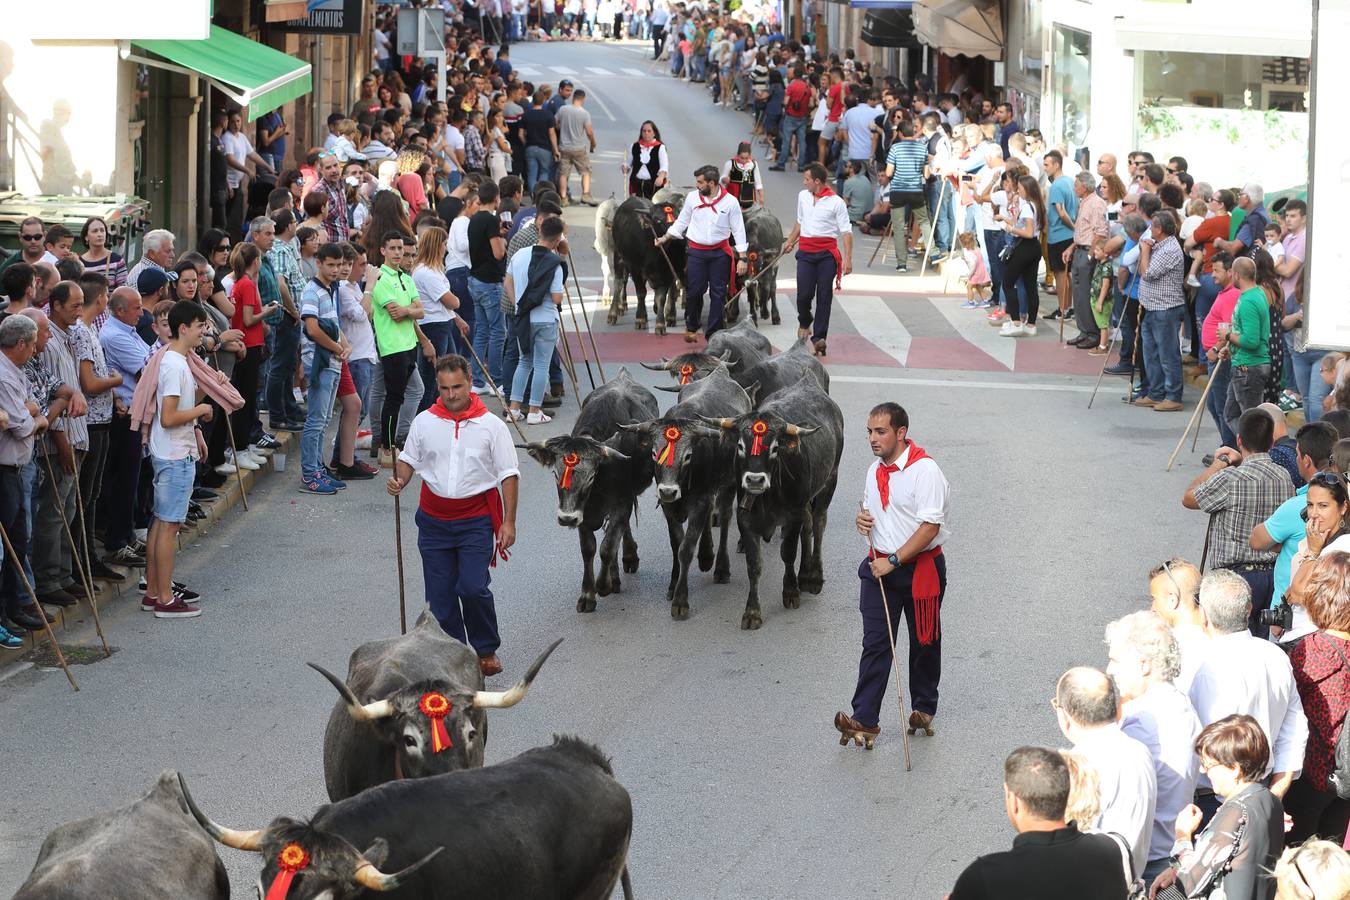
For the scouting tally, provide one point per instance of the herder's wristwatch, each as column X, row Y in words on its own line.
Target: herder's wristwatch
column 893, row 560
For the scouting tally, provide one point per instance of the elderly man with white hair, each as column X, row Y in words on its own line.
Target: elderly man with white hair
column 1246, row 675
column 1252, row 201
column 157, row 253
column 1144, row 660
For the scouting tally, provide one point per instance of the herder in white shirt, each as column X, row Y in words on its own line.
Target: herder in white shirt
column 712, row 218
column 1175, row 589
column 466, row 514
column 1088, row 706
column 822, row 219
column 1247, row 675
column 1144, row 659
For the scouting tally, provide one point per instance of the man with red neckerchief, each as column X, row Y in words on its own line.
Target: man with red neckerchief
column 903, row 517
column 822, row 218
column 466, row 514
column 712, row 218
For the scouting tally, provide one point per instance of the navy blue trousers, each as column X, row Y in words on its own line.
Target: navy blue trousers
column 707, row 270
column 455, row 560
column 874, row 667
column 815, row 282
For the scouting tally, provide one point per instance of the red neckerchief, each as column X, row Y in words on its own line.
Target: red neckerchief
column 472, row 411
column 884, row 471
column 824, row 192
column 703, row 202
column 642, row 143
column 926, row 587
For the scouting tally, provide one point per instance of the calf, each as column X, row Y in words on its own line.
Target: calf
column 784, row 370
column 764, row 234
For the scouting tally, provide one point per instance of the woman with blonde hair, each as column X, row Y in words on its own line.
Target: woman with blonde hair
column 439, row 304
column 1316, row 870
column 411, row 183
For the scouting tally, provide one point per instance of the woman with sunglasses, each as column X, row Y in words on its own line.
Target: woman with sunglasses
column 1237, row 849
column 97, row 257
column 1328, row 530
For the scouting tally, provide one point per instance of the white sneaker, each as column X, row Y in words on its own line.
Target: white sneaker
column 243, row 461
column 1114, row 335
column 513, row 415
column 259, row 452
column 226, row 468
column 538, row 418
column 1011, row 328
column 1028, row 331
column 363, row 441
column 1192, row 281
column 141, row 534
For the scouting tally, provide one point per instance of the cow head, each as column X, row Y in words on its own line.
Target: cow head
column 302, row 862
column 763, row 442
column 664, row 215
column 689, row 367
column 433, row 726
column 575, row 461
column 674, row 444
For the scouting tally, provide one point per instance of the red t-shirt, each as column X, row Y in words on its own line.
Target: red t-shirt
column 797, row 99
column 245, row 293
column 836, row 96
column 1208, row 230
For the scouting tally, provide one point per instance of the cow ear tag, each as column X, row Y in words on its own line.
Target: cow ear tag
column 667, row 455
column 758, row 429
column 569, row 463
column 291, row 860
column 436, row 707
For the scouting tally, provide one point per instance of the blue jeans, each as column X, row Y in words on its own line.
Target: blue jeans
column 1205, row 296
column 676, row 57
column 538, row 165
column 534, row 362
column 173, row 487
column 281, row 405
column 459, row 286
column 363, row 372
column 517, row 27
column 1162, row 351
column 439, row 334
column 793, row 125
column 1220, row 374
column 489, row 333
column 942, row 236
column 511, row 359
column 1308, row 381
column 322, row 392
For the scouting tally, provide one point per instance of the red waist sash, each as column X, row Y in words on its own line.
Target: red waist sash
column 825, row 245
column 725, row 247
column 448, row 509
column 926, row 589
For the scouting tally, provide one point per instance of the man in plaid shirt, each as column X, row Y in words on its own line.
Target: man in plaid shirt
column 282, row 408
column 330, row 183
column 1240, row 490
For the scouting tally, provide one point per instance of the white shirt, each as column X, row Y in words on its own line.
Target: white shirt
column 431, row 287
column 1244, row 674
column 822, row 216
column 1194, row 643
column 454, row 140
column 983, row 179
column 754, row 169
column 457, row 244
column 919, row 494
column 858, row 123
column 175, row 380
column 237, row 148
column 1164, row 721
column 712, row 224
column 1129, row 788
column 459, row 468
column 355, row 323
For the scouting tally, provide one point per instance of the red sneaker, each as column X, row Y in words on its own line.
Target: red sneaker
column 176, row 610
column 148, row 603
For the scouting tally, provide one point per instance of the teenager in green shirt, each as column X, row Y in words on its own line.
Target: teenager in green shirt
column 395, row 308
column 1248, row 342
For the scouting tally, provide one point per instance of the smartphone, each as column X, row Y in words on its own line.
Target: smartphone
column 967, row 177
column 1113, row 215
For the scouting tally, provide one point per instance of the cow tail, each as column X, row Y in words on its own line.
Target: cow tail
column 627, row 884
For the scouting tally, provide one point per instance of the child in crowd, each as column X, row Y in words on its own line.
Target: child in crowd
column 1334, row 369
column 1102, row 293
column 977, row 281
column 1274, row 246
column 308, row 241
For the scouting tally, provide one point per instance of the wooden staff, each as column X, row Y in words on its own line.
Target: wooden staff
column 895, row 660
column 584, row 317
column 932, row 230
column 88, row 559
column 581, row 344
column 568, row 364
column 398, row 549
column 885, row 235
column 229, row 430
column 764, row 270
column 1193, row 423
column 42, row 614
column 492, row 384
column 75, row 551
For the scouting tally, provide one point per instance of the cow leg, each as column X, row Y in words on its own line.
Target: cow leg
column 705, row 544
column 752, row 618
column 661, row 297
column 630, row 548
column 772, row 294
column 618, row 294
column 608, row 582
column 675, row 531
column 640, row 281
column 792, row 531
column 586, row 602
column 722, row 569
column 693, row 536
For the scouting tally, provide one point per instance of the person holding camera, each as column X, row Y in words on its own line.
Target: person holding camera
column 1241, row 489
column 1323, row 677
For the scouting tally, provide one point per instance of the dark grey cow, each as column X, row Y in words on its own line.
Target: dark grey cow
column 788, row 452
column 696, row 478
column 764, row 234
column 149, row 850
column 637, row 225
column 600, row 473
column 378, row 731
column 739, row 347
column 784, row 370
column 550, row 824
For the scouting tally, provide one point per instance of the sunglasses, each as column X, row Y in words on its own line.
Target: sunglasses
column 1326, row 479
column 223, row 248
column 1167, row 570
column 30, row 237
column 1171, row 171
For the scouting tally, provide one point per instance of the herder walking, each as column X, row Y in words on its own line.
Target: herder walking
column 903, row 516
column 466, row 514
column 712, row 218
column 822, row 218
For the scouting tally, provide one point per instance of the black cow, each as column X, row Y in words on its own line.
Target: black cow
column 601, row 472
column 696, row 478
column 150, row 850
column 788, row 454
column 764, row 234
column 550, row 824
column 637, row 224
column 378, row 732
column 784, row 370
column 739, row 347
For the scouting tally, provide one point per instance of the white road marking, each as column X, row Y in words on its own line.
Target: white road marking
column 598, row 70
column 564, row 70
column 530, row 71
column 592, row 94
column 971, row 326
column 874, row 320
column 961, row 383
column 631, row 71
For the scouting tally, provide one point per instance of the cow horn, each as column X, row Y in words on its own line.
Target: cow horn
column 506, row 699
column 664, row 367
column 671, row 388
column 611, row 453
column 797, row 430
column 724, row 424
column 361, row 712
column 724, row 356
column 239, row 840
column 373, row 879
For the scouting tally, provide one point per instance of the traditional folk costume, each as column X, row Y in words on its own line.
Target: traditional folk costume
column 823, row 219
column 742, row 180
column 647, row 159
column 900, row 497
column 709, row 227
column 462, row 458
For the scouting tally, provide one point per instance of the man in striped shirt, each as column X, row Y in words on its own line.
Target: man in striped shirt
column 906, row 168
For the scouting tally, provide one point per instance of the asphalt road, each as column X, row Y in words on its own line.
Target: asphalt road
column 723, row 737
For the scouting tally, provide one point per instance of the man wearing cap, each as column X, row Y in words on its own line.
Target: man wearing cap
column 712, row 217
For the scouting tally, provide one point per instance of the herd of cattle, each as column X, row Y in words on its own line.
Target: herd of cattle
column 414, row 813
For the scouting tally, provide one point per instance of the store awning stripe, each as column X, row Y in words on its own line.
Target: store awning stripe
column 255, row 76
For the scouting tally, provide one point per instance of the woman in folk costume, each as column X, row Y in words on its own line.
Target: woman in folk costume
column 648, row 167
column 741, row 178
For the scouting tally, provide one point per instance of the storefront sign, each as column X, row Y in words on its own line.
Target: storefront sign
column 329, row 17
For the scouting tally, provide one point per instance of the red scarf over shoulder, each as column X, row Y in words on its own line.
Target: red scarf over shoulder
column 825, row 245
column 926, row 587
column 488, row 503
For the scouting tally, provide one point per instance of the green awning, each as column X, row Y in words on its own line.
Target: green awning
column 255, row 76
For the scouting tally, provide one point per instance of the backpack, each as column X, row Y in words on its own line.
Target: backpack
column 798, row 104
column 1339, row 779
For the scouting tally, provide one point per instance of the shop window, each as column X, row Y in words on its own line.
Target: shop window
column 1071, row 75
